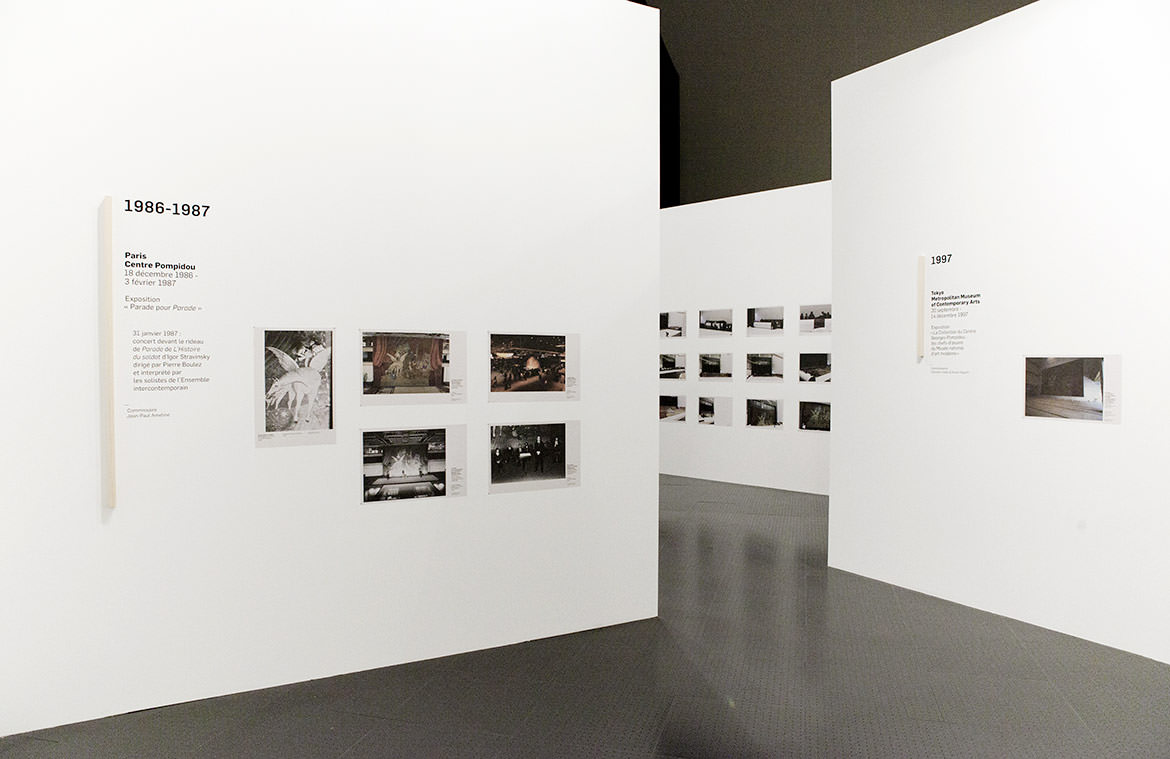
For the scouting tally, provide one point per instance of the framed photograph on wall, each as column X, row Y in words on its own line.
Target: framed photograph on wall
column 715, row 323
column 672, row 324
column 539, row 456
column 534, row 367
column 816, row 319
column 404, row 464
column 413, row 367
column 765, row 321
column 294, row 400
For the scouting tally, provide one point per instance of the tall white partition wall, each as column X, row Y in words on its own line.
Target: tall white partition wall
column 764, row 251
column 458, row 167
column 1028, row 159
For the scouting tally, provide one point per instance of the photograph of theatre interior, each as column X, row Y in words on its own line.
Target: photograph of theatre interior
column 765, row 321
column 672, row 324
column 672, row 408
column 528, row 363
column 763, row 413
column 1064, row 388
column 523, row 452
column 399, row 464
column 814, row 416
column 672, row 366
column 405, row 362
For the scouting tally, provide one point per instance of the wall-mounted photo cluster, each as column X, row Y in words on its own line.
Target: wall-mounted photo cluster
column 752, row 344
column 295, row 406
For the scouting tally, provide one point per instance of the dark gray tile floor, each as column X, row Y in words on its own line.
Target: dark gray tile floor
column 759, row 651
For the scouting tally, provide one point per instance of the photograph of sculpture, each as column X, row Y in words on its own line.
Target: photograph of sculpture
column 715, row 411
column 715, row 365
column 814, row 416
column 765, row 321
column 764, row 412
column 528, row 452
column 672, row 366
column 1065, row 388
column 816, row 319
column 672, row 324
column 405, row 362
column 765, row 367
column 816, row 367
column 672, row 408
column 715, row 323
column 399, row 464
column 528, row 363
column 297, row 390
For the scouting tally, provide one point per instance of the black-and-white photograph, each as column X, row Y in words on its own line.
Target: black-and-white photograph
column 816, row 319
column 672, row 366
column 405, row 362
column 399, row 464
column 527, row 452
column 765, row 367
column 528, row 363
column 1065, row 388
column 298, row 381
column 814, row 416
column 715, row 411
column 765, row 321
column 672, row 408
column 672, row 324
column 715, row 365
column 816, row 367
column 764, row 412
column 715, row 323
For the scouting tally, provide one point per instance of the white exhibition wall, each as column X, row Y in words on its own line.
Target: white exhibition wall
column 461, row 166
column 1033, row 150
column 763, row 250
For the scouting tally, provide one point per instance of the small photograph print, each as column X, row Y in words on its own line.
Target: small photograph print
column 400, row 464
column 816, row 319
column 672, row 408
column 534, row 456
column 816, row 367
column 672, row 324
column 765, row 367
column 1065, row 388
column 765, row 321
column 814, row 416
column 715, row 411
column 528, row 363
column 405, row 362
column 764, row 412
column 715, row 323
column 296, row 387
column 672, row 366
column 715, row 365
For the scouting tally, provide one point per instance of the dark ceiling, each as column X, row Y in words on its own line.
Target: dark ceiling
column 753, row 81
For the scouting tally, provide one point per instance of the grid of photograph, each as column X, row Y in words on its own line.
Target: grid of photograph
column 756, row 345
